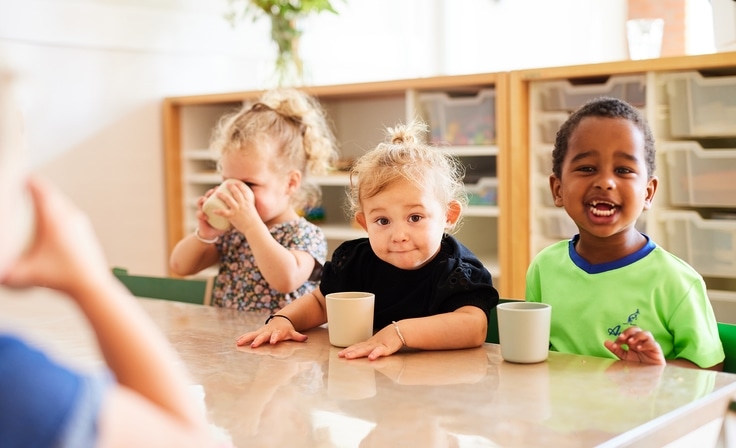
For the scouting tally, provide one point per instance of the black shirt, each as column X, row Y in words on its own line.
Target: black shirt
column 453, row 279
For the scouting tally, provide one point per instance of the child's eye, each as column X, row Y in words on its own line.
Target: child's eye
column 415, row 218
column 382, row 221
column 586, row 169
column 623, row 170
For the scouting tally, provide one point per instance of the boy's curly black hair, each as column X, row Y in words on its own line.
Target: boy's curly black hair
column 603, row 107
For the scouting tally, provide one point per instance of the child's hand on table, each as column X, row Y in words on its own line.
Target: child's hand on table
column 642, row 347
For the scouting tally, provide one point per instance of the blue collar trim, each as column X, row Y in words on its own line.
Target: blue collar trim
column 611, row 265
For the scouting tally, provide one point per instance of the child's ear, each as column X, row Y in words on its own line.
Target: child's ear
column 555, row 186
column 651, row 189
column 295, row 179
column 454, row 209
column 360, row 219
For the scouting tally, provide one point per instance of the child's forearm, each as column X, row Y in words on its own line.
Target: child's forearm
column 133, row 347
column 191, row 255
column 284, row 270
column 306, row 312
column 463, row 328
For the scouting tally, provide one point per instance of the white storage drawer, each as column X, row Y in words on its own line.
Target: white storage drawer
column 724, row 305
column 708, row 245
column 700, row 106
column 565, row 96
column 700, row 177
column 548, row 128
column 556, row 223
column 466, row 120
column 544, row 160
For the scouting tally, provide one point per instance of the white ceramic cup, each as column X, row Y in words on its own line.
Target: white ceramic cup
column 214, row 203
column 349, row 317
column 523, row 331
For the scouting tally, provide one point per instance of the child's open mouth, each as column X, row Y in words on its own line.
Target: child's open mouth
column 602, row 208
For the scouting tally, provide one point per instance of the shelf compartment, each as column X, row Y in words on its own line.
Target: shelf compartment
column 565, row 96
column 544, row 194
column 548, row 127
column 701, row 106
column 468, row 120
column 708, row 245
column 724, row 305
column 483, row 193
column 544, row 160
column 700, row 177
column 556, row 224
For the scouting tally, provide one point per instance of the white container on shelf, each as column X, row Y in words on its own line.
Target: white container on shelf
column 467, row 120
column 555, row 223
column 566, row 96
column 708, row 245
column 700, row 177
column 544, row 160
column 701, row 106
column 544, row 194
column 724, row 305
column 548, row 127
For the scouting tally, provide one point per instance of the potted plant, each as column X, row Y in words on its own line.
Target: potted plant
column 284, row 16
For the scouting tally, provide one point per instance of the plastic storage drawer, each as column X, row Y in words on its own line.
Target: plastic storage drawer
column 565, row 96
column 700, row 177
column 468, row 120
column 548, row 128
column 556, row 224
column 484, row 192
column 708, row 245
column 544, row 160
column 700, row 106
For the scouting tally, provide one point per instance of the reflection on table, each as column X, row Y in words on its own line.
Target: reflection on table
column 301, row 394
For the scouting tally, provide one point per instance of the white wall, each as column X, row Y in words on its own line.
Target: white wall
column 94, row 72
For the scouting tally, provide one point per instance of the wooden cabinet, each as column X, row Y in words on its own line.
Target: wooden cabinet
column 690, row 102
column 529, row 105
column 359, row 114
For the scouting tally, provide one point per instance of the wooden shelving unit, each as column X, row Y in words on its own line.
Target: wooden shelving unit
column 359, row 114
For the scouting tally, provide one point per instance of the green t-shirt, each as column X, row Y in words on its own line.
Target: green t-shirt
column 651, row 289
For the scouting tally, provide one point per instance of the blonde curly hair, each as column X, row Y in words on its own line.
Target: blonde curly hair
column 296, row 123
column 405, row 155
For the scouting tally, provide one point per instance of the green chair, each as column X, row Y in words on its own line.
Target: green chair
column 727, row 333
column 492, row 334
column 189, row 290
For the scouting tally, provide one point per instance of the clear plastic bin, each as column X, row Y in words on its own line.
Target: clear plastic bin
column 565, row 96
column 700, row 177
column 484, row 192
column 468, row 120
column 708, row 245
column 544, row 194
column 548, row 128
column 555, row 223
column 700, row 106
column 544, row 160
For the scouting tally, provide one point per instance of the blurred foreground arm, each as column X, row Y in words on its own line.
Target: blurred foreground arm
column 150, row 405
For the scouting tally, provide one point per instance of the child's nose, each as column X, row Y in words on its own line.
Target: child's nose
column 606, row 181
column 400, row 234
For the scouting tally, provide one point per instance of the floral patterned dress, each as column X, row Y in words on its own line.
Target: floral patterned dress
column 239, row 283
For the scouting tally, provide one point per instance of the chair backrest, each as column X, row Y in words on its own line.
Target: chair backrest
column 190, row 290
column 727, row 333
column 492, row 334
